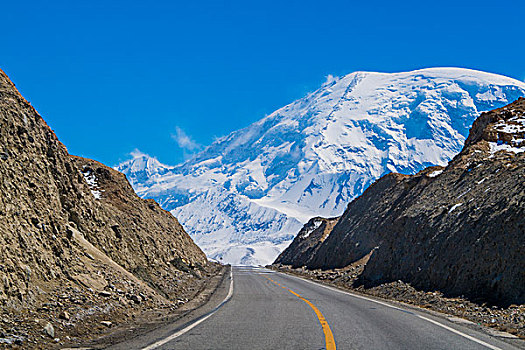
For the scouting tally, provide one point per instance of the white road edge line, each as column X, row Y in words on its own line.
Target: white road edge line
column 196, row 323
column 459, row 333
column 481, row 342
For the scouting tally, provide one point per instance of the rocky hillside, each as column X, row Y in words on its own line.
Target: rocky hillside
column 149, row 241
column 458, row 229
column 307, row 242
column 244, row 196
column 77, row 242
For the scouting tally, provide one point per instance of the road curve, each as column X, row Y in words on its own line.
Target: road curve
column 270, row 310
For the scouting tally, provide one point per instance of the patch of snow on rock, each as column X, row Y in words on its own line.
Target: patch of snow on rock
column 91, row 180
column 514, row 129
column 495, row 147
column 435, row 173
column 454, row 207
column 311, row 229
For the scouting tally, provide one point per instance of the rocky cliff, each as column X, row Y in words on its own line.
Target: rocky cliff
column 458, row 229
column 307, row 242
column 76, row 241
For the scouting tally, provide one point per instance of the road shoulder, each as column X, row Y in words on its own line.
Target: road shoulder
column 444, row 318
column 157, row 324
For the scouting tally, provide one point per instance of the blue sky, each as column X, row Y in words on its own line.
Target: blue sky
column 167, row 77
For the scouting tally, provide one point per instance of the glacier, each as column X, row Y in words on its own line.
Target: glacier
column 245, row 197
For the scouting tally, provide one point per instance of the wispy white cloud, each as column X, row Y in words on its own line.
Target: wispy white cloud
column 218, row 138
column 330, row 79
column 136, row 153
column 184, row 141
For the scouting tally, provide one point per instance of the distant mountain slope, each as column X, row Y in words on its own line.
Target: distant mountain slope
column 243, row 197
column 459, row 229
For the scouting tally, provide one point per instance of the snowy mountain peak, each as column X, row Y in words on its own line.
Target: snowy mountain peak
column 143, row 169
column 247, row 194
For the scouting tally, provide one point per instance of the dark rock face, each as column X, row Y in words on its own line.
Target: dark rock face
column 307, row 242
column 459, row 229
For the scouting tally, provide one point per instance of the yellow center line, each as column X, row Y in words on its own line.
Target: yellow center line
column 328, row 336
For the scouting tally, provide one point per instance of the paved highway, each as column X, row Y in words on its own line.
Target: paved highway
column 269, row 310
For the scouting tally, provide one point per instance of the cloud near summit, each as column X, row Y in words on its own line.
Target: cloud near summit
column 184, row 141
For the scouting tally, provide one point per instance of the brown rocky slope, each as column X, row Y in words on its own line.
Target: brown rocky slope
column 78, row 245
column 459, row 230
column 160, row 248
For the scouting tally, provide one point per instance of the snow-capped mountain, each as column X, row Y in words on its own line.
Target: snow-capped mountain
column 245, row 196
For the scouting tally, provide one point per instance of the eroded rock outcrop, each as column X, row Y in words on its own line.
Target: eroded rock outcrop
column 148, row 240
column 75, row 239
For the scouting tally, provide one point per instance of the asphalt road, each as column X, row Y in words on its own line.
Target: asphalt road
column 270, row 310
